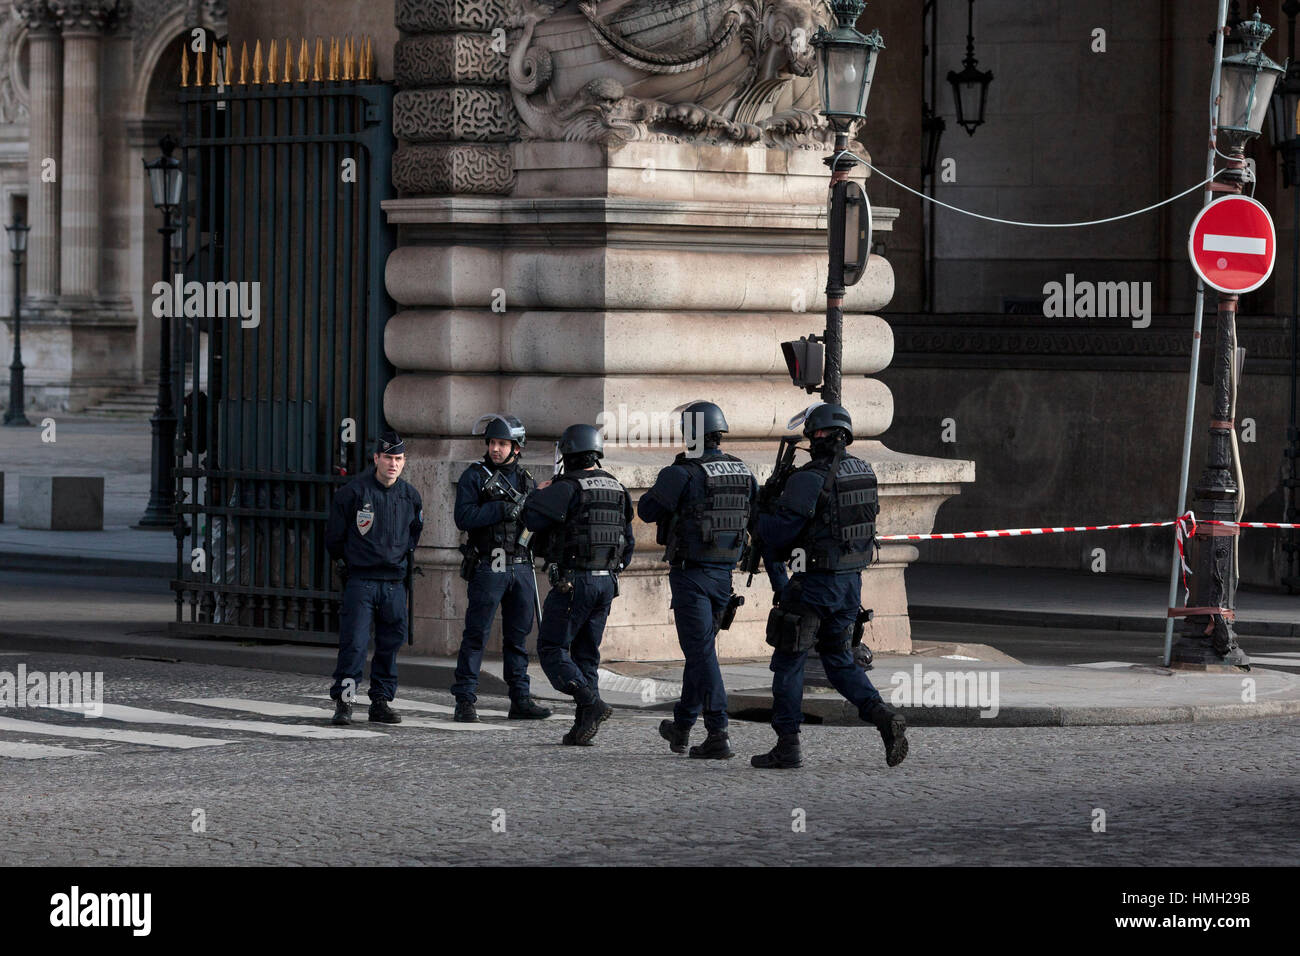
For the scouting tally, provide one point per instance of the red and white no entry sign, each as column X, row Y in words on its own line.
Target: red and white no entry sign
column 1232, row 244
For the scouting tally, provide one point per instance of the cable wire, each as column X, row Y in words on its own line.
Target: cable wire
column 1014, row 222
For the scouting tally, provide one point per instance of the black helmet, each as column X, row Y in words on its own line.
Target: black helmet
column 822, row 415
column 707, row 415
column 505, row 427
column 582, row 438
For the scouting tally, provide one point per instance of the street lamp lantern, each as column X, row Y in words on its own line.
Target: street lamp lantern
column 165, row 177
column 18, row 236
column 848, row 62
column 1246, row 85
column 1282, row 124
column 970, row 87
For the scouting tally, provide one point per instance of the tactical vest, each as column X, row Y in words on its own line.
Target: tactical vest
column 839, row 536
column 503, row 534
column 593, row 533
column 712, row 528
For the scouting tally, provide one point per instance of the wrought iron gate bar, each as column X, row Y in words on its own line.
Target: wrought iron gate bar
column 261, row 446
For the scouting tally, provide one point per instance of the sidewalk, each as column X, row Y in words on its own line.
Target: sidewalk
column 120, row 452
column 1039, row 597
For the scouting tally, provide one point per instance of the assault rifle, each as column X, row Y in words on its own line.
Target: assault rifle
column 767, row 496
column 497, row 485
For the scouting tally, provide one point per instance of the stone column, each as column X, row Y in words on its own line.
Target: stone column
column 82, row 22
column 46, row 79
column 633, row 251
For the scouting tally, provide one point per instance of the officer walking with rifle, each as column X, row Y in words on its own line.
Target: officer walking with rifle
column 702, row 504
column 586, row 515
column 821, row 519
column 374, row 525
column 498, row 566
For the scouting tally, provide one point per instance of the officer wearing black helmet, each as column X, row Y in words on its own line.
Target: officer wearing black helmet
column 586, row 515
column 374, row 525
column 701, row 503
column 823, row 523
column 498, row 567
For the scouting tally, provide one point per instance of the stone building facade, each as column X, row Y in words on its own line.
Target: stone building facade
column 86, row 91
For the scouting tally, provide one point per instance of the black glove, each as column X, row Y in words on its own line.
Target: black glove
column 341, row 567
column 512, row 511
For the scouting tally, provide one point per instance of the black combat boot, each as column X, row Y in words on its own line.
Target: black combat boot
column 592, row 712
column 571, row 735
column 342, row 713
column 465, row 713
column 715, row 747
column 525, row 708
column 381, row 713
column 892, row 729
column 784, row 756
column 677, row 736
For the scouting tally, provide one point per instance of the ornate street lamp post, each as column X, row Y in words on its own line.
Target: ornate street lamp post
column 848, row 62
column 17, row 399
column 1207, row 638
column 165, row 179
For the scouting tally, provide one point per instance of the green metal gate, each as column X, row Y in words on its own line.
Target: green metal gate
column 283, row 180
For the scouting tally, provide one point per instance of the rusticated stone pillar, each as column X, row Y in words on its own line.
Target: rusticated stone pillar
column 632, row 249
column 453, row 115
column 45, row 80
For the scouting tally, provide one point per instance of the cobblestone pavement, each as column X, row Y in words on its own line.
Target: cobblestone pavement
column 1209, row 794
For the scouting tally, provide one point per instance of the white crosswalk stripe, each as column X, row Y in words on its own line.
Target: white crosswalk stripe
column 271, row 708
column 1280, row 659
column 149, row 739
column 40, row 751
column 140, row 715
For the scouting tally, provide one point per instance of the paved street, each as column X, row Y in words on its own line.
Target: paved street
column 1196, row 794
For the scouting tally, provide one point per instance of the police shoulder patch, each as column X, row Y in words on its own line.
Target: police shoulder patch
column 365, row 518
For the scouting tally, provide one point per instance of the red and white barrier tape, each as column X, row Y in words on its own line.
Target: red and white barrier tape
column 1185, row 527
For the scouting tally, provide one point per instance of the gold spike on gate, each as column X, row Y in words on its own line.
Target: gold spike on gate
column 347, row 58
column 243, row 64
column 230, row 64
column 271, row 63
column 368, row 59
column 288, row 58
column 302, row 61
column 198, row 68
column 185, row 66
column 334, row 60
column 318, row 61
column 257, row 63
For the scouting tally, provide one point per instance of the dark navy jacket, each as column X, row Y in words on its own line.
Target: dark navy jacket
column 469, row 513
column 780, row 527
column 677, row 485
column 372, row 527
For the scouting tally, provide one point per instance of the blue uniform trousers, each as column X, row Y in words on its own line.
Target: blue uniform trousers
column 366, row 602
column 835, row 599
column 700, row 596
column 573, row 622
column 514, row 589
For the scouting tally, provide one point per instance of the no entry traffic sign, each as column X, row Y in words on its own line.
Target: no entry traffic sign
column 1232, row 244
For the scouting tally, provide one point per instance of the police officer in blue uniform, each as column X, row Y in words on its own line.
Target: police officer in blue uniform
column 586, row 516
column 701, row 503
column 499, row 566
column 374, row 525
column 823, row 522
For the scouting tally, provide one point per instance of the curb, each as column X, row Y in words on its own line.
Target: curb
column 1097, row 622
column 837, row 712
column 78, row 564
